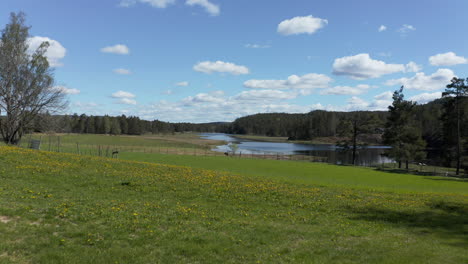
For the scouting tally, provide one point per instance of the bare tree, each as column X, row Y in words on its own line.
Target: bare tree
column 26, row 81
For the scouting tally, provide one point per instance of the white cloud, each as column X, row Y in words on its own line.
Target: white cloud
column 182, row 84
column 217, row 106
column 382, row 28
column 379, row 105
column 421, row 81
column 361, row 67
column 64, row 90
column 87, row 107
column 211, row 8
column 346, row 90
column 405, row 29
column 213, row 97
column 447, row 59
column 426, row 97
column 356, row 103
column 257, row 46
column 54, row 53
column 220, row 66
column 124, row 98
column 388, row 95
column 413, row 67
column 116, row 49
column 259, row 95
column 301, row 25
column 127, row 101
column 308, row 81
column 153, row 3
column 122, row 71
column 123, row 94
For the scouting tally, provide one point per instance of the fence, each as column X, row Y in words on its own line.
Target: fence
column 113, row 151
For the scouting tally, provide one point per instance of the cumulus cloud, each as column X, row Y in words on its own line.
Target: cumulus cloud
column 413, row 67
column 126, row 101
column 64, row 90
column 116, row 49
column 182, row 84
column 426, row 97
column 382, row 28
column 124, row 98
column 388, row 95
column 259, row 95
column 362, row 66
column 355, row 104
column 54, row 53
column 308, row 81
column 421, row 81
column 211, row 8
column 301, row 25
column 220, row 66
column 153, row 3
column 217, row 106
column 346, row 90
column 447, row 59
column 123, row 94
column 213, row 97
column 122, row 71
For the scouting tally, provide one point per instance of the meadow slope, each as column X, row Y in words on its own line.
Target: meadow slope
column 65, row 208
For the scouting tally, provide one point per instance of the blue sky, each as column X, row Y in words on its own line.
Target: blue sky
column 216, row 60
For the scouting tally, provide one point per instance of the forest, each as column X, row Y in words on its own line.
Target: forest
column 431, row 125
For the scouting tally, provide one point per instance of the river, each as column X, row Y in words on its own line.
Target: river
column 369, row 155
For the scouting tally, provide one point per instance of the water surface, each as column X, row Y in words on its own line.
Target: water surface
column 369, row 155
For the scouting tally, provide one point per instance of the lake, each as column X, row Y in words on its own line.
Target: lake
column 369, row 155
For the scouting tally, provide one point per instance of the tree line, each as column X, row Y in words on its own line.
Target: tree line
column 436, row 132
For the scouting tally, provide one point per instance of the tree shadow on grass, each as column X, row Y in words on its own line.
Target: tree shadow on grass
column 447, row 220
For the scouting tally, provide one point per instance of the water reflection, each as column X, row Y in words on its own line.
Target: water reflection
column 368, row 156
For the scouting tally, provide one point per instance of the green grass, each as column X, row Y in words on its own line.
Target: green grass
column 155, row 141
column 64, row 208
column 313, row 173
column 104, row 145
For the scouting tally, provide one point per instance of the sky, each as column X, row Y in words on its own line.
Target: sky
column 217, row 60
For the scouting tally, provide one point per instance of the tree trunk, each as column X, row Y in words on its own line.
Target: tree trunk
column 354, row 141
column 458, row 137
column 407, row 165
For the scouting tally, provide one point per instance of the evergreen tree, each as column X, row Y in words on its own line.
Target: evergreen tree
column 457, row 89
column 105, row 125
column 400, row 133
column 351, row 128
column 115, row 127
column 123, row 124
column 90, row 125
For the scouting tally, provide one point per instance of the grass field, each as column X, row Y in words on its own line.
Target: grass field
column 91, row 144
column 65, row 208
column 313, row 173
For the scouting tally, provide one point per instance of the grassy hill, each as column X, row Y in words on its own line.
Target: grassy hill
column 65, row 208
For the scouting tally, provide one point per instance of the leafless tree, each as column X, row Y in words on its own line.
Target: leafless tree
column 26, row 81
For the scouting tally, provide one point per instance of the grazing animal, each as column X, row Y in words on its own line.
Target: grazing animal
column 226, row 154
column 116, row 152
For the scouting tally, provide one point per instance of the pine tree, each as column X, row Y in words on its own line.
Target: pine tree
column 400, row 133
column 457, row 89
column 351, row 128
